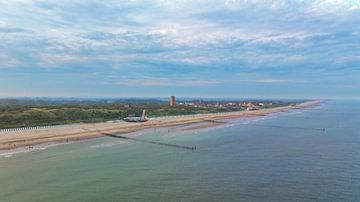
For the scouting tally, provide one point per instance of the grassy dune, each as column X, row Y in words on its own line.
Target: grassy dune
column 15, row 115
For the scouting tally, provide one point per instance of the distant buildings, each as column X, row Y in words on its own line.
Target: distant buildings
column 231, row 104
column 172, row 100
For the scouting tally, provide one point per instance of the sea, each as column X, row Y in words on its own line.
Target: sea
column 281, row 157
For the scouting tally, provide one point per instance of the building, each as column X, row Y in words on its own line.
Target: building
column 250, row 104
column 172, row 100
column 133, row 118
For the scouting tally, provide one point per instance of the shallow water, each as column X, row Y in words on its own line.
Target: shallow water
column 237, row 163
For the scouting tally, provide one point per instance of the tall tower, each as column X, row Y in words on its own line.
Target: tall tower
column 172, row 100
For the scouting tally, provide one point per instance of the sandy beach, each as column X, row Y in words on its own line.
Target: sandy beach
column 66, row 133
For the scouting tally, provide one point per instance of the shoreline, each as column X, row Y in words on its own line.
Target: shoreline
column 70, row 133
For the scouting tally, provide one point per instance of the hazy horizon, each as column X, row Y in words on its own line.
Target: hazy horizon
column 167, row 97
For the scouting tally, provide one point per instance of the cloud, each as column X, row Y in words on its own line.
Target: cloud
column 50, row 60
column 165, row 82
column 107, row 29
column 281, row 41
column 12, row 30
column 348, row 59
column 338, row 7
column 279, row 81
column 7, row 61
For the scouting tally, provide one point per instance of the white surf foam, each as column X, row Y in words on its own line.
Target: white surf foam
column 21, row 150
column 108, row 144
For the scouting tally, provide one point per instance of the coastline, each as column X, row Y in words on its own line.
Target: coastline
column 70, row 133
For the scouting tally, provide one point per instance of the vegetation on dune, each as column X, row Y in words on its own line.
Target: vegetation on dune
column 16, row 115
column 26, row 116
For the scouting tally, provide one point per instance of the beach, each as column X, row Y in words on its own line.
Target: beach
column 68, row 133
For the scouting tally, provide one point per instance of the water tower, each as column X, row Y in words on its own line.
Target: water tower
column 172, row 100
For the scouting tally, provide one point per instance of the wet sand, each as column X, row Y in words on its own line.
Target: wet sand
column 67, row 133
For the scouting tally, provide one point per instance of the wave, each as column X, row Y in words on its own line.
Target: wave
column 21, row 150
column 108, row 144
column 234, row 122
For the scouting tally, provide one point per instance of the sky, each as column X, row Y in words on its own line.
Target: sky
column 186, row 48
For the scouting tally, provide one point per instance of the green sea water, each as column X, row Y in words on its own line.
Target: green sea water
column 233, row 163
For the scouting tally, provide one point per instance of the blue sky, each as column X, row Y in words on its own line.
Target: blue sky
column 187, row 48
